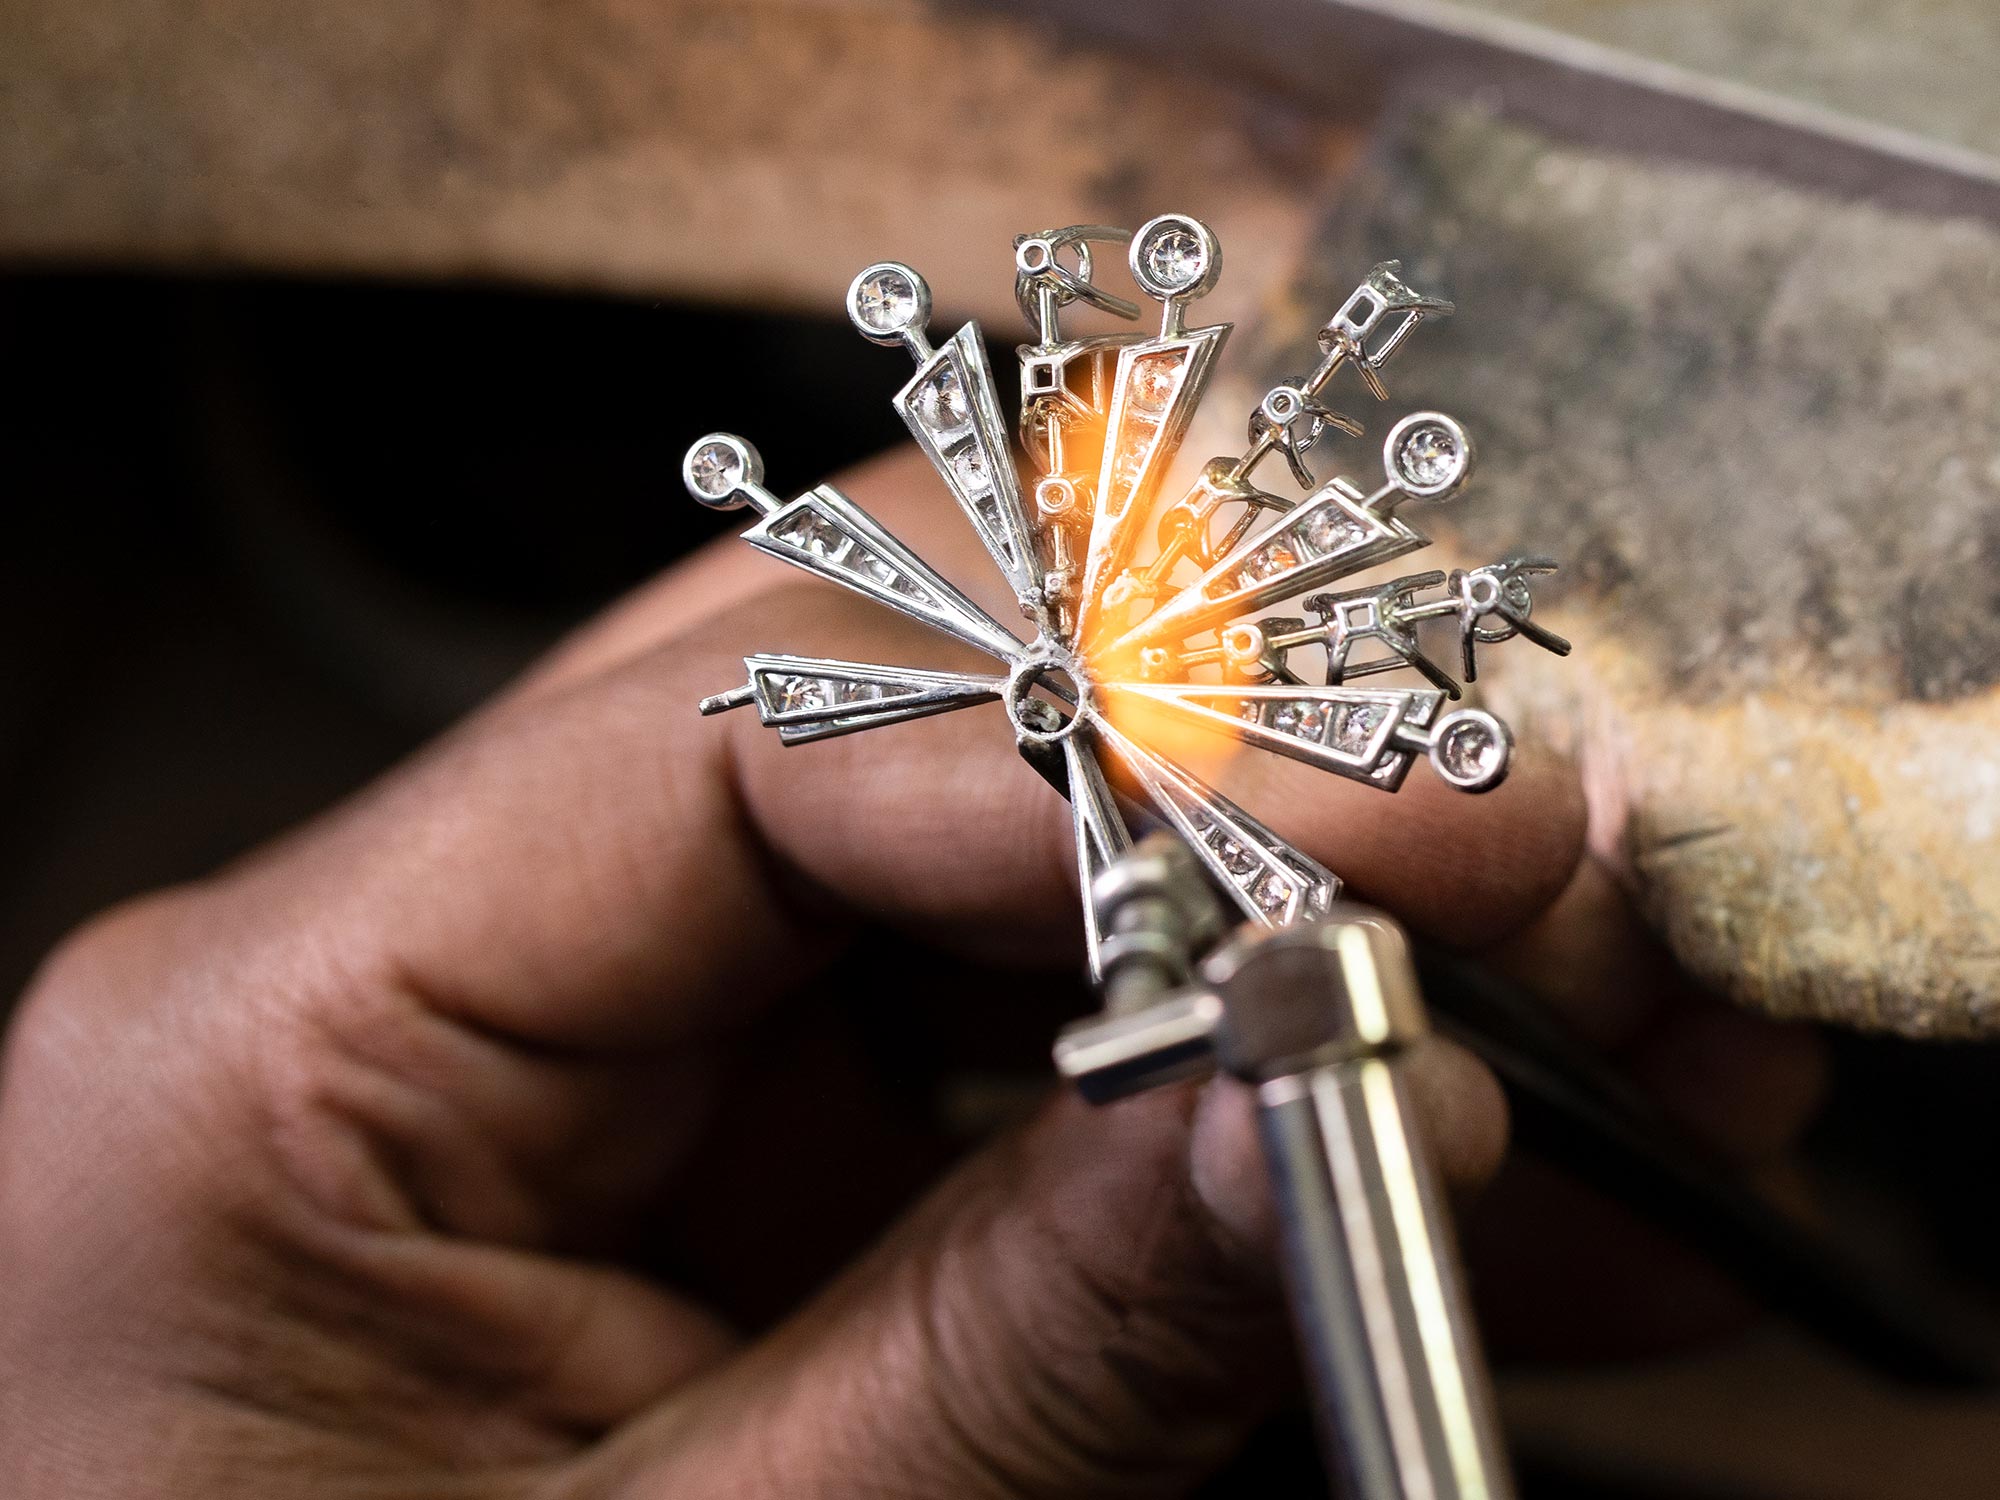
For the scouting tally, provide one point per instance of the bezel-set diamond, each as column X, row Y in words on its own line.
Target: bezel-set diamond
column 888, row 300
column 1120, row 635
column 717, row 467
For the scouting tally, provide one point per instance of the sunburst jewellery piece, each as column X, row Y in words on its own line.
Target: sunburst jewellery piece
column 1130, row 625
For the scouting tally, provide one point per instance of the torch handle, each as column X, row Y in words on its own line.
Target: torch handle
column 1398, row 1381
column 1319, row 1019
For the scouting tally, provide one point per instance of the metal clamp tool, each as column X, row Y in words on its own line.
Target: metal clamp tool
column 1317, row 1018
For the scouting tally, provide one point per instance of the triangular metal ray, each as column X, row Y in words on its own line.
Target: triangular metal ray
column 1327, row 536
column 826, row 533
column 808, row 698
column 1101, row 835
column 1155, row 390
column 1270, row 880
column 1352, row 732
column 952, row 408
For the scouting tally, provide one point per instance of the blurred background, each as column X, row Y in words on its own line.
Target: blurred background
column 355, row 351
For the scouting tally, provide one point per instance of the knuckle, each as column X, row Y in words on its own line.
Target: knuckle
column 107, row 947
column 96, row 980
column 138, row 1034
column 241, row 1060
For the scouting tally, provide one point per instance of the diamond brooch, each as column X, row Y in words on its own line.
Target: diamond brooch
column 1136, row 632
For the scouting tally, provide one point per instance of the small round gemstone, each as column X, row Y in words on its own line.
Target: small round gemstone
column 940, row 402
column 1235, row 858
column 1271, row 893
column 1430, row 455
column 1152, row 383
column 969, row 464
column 1470, row 751
column 1268, row 562
column 1357, row 722
column 1131, row 466
column 886, row 302
column 875, row 567
column 803, row 692
column 1331, row 530
column 1174, row 258
column 716, row 469
column 1299, row 716
column 810, row 533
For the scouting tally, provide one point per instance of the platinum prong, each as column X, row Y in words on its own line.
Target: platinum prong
column 741, row 697
column 1043, row 285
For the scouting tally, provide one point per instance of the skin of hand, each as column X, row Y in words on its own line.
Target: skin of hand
column 321, row 1176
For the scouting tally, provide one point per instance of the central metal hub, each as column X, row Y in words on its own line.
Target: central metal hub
column 1045, row 698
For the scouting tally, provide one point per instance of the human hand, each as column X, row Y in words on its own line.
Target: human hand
column 323, row 1176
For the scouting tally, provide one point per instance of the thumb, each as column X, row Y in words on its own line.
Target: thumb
column 1089, row 1308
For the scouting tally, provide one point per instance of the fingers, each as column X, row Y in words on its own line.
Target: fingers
column 1088, row 1309
column 591, row 872
column 1611, row 1284
column 596, row 866
column 1744, row 1085
column 1593, row 962
column 564, row 1346
column 601, row 868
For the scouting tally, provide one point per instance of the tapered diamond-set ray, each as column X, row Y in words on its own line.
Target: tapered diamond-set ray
column 1271, row 881
column 1153, row 397
column 826, row 533
column 952, row 409
column 1360, row 734
column 1100, row 833
column 815, row 698
column 1331, row 535
column 1128, row 653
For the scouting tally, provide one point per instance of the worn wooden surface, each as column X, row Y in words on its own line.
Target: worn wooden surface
column 756, row 150
column 1762, row 429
